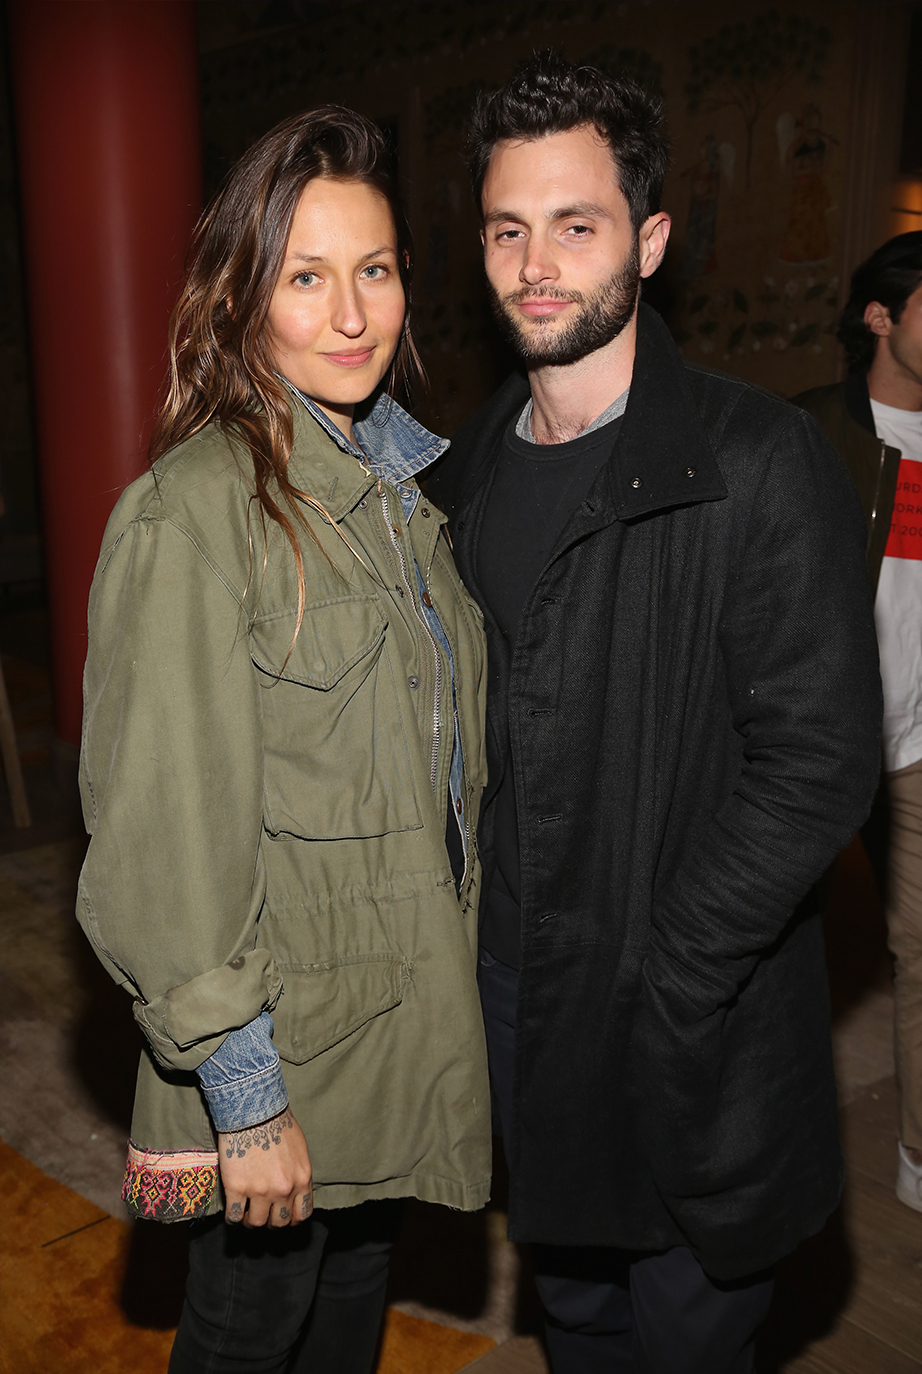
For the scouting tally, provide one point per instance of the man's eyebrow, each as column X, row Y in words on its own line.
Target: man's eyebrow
column 589, row 208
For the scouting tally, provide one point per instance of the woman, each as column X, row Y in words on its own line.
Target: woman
column 281, row 770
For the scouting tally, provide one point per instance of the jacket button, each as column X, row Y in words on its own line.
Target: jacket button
column 363, row 504
column 414, row 682
column 425, row 512
column 458, row 804
column 426, row 599
column 637, row 482
column 689, row 472
column 398, row 590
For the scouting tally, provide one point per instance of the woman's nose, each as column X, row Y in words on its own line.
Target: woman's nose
column 348, row 317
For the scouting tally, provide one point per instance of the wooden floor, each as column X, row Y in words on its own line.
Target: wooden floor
column 850, row 1300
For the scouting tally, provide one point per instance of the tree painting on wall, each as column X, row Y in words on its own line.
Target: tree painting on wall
column 746, row 65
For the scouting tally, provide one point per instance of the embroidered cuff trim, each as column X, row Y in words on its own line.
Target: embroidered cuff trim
column 175, row 1185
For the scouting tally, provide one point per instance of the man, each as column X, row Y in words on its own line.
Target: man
column 681, row 735
column 874, row 418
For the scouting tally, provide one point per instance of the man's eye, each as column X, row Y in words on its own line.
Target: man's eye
column 579, row 229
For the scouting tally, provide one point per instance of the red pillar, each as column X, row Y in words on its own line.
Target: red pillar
column 107, row 118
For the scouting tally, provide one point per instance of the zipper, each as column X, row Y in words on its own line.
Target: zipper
column 404, row 572
column 880, row 476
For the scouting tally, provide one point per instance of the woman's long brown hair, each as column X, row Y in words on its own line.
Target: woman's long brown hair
column 221, row 369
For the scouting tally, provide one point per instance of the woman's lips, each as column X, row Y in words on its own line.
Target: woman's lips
column 350, row 359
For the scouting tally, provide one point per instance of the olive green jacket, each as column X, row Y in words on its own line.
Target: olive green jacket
column 264, row 829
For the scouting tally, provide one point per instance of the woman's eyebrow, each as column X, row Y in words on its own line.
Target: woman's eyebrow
column 317, row 257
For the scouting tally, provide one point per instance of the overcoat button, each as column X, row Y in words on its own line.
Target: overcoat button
column 689, row 472
column 426, row 512
column 637, row 482
column 414, row 682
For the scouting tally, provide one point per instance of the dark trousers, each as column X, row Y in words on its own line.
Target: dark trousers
column 607, row 1310
column 287, row 1300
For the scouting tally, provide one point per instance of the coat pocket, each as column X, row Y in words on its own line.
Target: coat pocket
column 337, row 755
column 324, row 1003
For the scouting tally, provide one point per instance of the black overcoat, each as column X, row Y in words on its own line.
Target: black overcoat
column 693, row 705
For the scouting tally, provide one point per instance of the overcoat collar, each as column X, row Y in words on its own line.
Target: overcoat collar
column 662, row 457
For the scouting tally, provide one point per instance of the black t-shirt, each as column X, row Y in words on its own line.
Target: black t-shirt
column 536, row 488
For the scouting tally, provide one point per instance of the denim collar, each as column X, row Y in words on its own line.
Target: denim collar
column 393, row 444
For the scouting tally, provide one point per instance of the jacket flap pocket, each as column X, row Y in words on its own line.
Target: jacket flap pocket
column 334, row 636
column 323, row 1003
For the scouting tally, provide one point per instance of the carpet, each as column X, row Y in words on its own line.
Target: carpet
column 84, row 1293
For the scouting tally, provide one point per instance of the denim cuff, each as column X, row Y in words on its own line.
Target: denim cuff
column 242, row 1081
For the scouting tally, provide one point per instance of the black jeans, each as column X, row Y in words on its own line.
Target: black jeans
column 611, row 1311
column 287, row 1300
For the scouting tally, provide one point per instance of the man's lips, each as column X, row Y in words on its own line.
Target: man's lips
column 539, row 307
column 357, row 359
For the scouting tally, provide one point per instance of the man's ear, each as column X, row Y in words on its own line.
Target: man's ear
column 877, row 318
column 652, row 240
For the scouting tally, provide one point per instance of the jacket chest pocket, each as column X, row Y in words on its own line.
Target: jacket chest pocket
column 337, row 757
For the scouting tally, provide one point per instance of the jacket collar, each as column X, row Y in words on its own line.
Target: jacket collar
column 393, row 446
column 662, row 457
column 858, row 401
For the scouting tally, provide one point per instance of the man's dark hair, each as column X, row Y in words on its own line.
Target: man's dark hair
column 890, row 275
column 548, row 95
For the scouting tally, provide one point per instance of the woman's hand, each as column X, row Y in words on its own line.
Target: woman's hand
column 266, row 1173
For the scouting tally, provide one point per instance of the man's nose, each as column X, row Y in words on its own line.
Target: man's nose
column 538, row 264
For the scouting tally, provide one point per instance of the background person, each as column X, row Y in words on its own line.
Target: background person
column 874, row 418
column 683, row 730
column 280, row 772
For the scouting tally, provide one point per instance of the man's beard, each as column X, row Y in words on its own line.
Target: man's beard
column 600, row 317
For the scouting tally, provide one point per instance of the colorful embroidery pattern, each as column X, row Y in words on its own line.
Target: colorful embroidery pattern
column 172, row 1185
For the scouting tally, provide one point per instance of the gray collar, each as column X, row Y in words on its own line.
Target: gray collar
column 617, row 407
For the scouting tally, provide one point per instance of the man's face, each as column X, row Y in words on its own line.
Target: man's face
column 562, row 260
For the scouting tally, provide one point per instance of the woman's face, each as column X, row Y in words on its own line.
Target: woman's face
column 337, row 310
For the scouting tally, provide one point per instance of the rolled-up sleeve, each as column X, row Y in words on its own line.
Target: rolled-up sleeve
column 172, row 787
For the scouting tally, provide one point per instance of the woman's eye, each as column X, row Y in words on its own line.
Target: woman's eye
column 375, row 271
column 306, row 278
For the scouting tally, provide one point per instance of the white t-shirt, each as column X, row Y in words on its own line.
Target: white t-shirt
column 898, row 608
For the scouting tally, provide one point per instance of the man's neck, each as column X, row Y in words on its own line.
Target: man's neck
column 892, row 385
column 566, row 399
